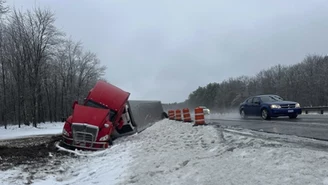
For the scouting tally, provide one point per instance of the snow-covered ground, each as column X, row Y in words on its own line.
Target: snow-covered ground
column 173, row 152
column 13, row 131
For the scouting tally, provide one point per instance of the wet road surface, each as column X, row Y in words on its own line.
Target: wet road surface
column 310, row 126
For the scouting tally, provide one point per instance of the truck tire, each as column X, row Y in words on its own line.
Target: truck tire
column 110, row 141
column 164, row 115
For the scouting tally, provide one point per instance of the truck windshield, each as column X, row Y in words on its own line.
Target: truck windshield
column 112, row 113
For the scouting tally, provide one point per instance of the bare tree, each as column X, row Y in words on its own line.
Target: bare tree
column 42, row 72
column 304, row 82
column 41, row 37
column 3, row 10
column 87, row 72
column 18, row 56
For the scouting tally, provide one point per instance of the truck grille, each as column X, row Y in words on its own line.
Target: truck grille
column 288, row 106
column 83, row 133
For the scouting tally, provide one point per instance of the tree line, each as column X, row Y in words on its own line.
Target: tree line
column 305, row 82
column 42, row 71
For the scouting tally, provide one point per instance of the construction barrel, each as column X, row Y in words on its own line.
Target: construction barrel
column 178, row 116
column 171, row 114
column 199, row 116
column 186, row 115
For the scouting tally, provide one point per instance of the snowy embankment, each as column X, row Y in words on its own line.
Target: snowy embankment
column 173, row 152
column 13, row 131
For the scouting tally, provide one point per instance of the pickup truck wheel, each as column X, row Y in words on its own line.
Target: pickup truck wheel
column 265, row 114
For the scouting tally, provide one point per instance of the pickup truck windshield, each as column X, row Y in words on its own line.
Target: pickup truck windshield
column 112, row 113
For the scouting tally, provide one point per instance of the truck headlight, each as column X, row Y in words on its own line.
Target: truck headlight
column 65, row 132
column 297, row 105
column 275, row 106
column 104, row 138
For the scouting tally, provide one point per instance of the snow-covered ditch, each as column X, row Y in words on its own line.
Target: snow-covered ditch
column 173, row 152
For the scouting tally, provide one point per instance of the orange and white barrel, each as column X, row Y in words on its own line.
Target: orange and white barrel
column 186, row 115
column 199, row 116
column 178, row 116
column 171, row 114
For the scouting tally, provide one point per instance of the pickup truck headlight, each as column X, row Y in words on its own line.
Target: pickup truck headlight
column 104, row 138
column 275, row 106
column 297, row 105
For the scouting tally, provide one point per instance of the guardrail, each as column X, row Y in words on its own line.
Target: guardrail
column 320, row 110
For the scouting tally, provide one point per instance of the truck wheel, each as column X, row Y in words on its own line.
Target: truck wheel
column 164, row 115
column 110, row 141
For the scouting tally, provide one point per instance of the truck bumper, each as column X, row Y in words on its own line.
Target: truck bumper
column 84, row 145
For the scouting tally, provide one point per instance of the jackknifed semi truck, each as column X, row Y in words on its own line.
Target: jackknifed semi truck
column 106, row 114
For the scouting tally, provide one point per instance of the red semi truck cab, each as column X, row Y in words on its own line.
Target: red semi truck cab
column 92, row 123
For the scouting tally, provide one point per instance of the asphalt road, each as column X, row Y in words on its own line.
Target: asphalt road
column 309, row 126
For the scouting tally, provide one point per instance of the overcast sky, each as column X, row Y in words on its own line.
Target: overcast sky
column 165, row 49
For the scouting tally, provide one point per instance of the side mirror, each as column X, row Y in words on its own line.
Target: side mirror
column 75, row 102
column 257, row 103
